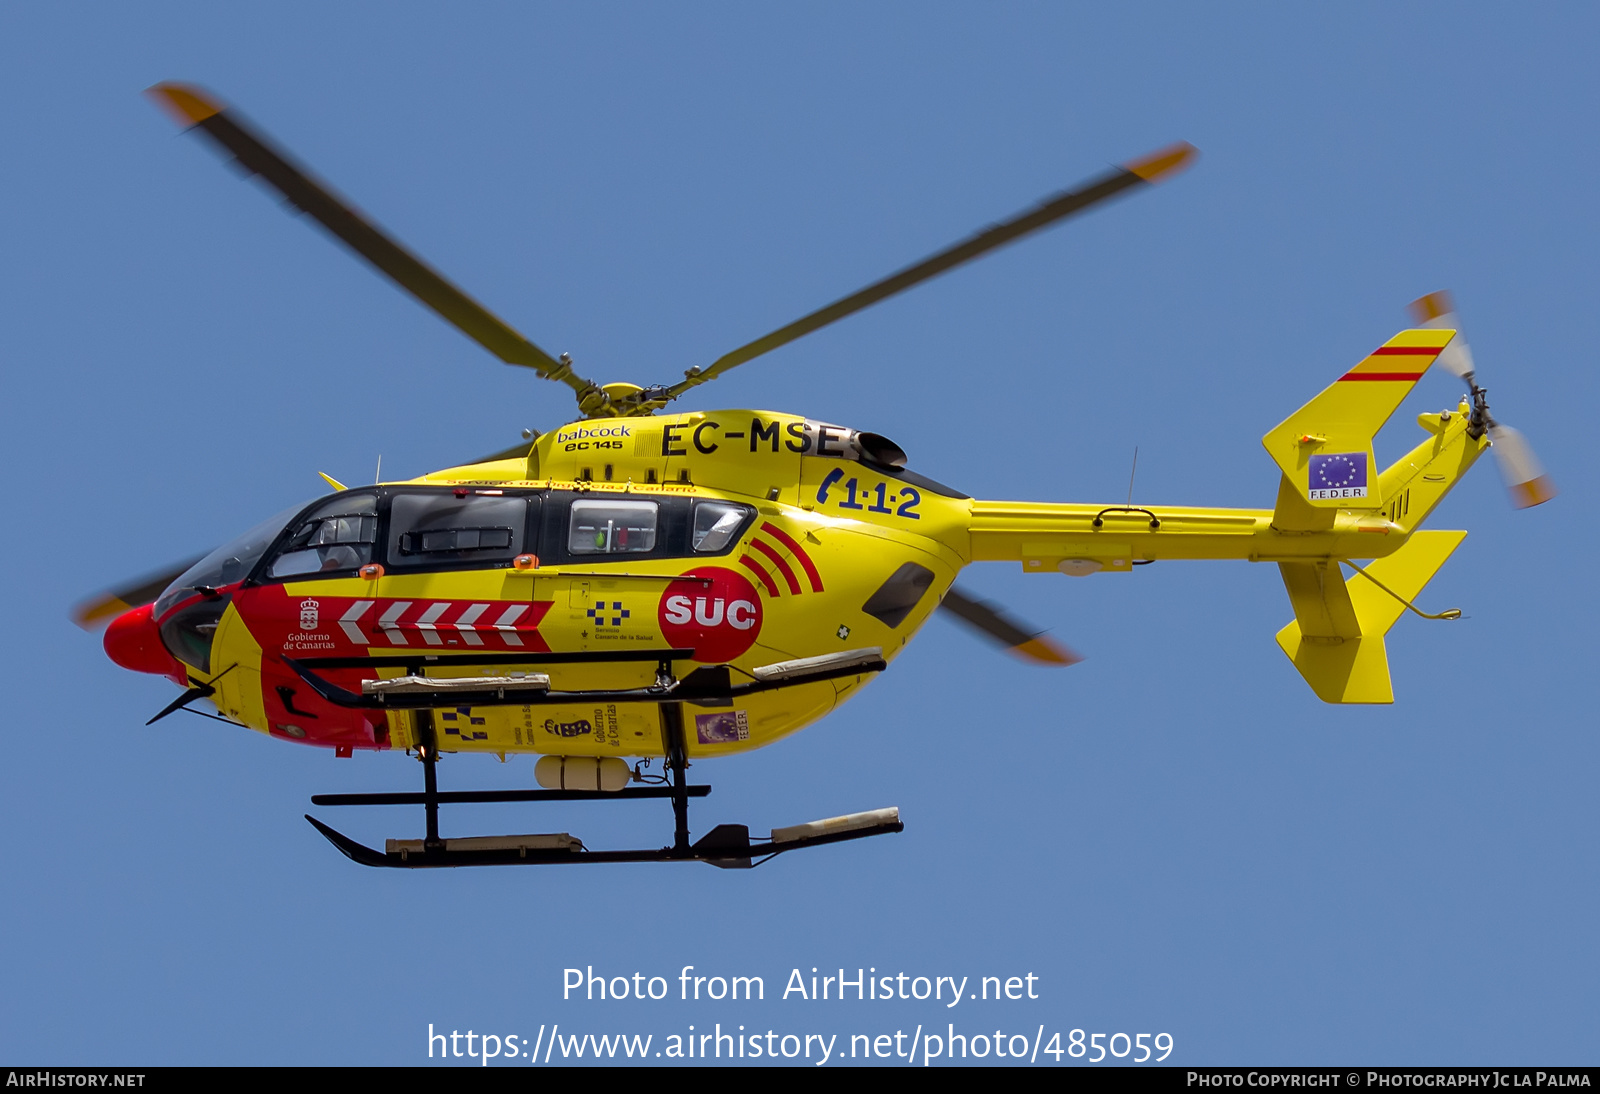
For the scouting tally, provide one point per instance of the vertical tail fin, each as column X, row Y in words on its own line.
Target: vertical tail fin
column 1324, row 449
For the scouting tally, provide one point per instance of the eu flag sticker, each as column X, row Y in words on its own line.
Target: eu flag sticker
column 1338, row 475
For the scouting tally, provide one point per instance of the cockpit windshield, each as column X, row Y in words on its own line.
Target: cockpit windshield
column 227, row 564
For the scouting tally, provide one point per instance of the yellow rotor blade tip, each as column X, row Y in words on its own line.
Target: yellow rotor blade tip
column 188, row 105
column 92, row 615
column 1042, row 650
column 1174, row 157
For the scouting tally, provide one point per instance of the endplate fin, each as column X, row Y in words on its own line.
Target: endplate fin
column 1337, row 637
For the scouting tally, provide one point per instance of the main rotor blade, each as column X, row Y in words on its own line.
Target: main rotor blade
column 194, row 107
column 1147, row 169
column 515, row 452
column 992, row 622
column 99, row 610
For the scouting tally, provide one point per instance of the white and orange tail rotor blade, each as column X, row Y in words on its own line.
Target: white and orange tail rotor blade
column 1525, row 476
column 1437, row 310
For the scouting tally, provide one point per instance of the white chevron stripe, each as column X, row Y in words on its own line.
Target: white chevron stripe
column 426, row 621
column 465, row 621
column 347, row 622
column 504, row 624
column 390, row 617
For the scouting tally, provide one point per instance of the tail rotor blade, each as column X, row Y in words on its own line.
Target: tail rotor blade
column 1437, row 310
column 1525, row 476
column 999, row 627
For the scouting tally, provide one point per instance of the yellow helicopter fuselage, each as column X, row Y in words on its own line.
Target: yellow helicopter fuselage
column 833, row 551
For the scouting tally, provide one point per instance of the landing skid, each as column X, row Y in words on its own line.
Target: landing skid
column 728, row 846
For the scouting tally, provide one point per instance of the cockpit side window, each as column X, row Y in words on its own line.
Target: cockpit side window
column 336, row 537
column 716, row 526
column 443, row 529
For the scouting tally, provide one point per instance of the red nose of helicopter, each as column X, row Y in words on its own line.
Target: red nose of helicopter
column 133, row 641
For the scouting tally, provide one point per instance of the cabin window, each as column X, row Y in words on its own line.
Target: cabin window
column 716, row 525
column 612, row 527
column 333, row 538
column 444, row 529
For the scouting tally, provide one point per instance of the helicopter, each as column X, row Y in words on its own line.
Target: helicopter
column 641, row 585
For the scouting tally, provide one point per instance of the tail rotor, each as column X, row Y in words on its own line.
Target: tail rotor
column 1525, row 478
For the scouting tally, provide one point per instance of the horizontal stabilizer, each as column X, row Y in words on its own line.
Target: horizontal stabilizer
column 1336, row 638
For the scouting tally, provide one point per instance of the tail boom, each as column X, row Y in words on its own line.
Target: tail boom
column 1045, row 537
column 1330, row 511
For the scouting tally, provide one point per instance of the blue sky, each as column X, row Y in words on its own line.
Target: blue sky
column 1173, row 836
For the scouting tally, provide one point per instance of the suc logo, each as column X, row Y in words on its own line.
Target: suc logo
column 718, row 617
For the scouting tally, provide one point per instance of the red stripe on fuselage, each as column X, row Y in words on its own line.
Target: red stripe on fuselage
column 1381, row 376
column 756, row 568
column 799, row 553
column 778, row 561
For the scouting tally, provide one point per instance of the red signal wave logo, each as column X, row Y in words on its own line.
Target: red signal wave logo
column 774, row 556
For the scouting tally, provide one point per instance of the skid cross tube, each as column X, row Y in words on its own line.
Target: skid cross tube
column 677, row 764
column 428, row 752
column 489, row 797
